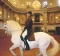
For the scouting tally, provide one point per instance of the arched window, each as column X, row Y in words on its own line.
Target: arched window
column 59, row 3
column 44, row 4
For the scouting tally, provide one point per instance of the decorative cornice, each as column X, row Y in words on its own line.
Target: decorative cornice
column 54, row 9
column 38, row 23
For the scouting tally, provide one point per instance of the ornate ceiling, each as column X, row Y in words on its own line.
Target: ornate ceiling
column 28, row 3
column 21, row 3
column 32, row 4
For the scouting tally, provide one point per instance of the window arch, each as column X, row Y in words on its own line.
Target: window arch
column 44, row 4
column 59, row 3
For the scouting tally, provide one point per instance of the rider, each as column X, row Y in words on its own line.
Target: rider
column 28, row 26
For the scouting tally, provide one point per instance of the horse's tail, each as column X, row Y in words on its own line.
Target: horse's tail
column 55, row 48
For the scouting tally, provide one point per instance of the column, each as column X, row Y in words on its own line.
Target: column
column 5, row 16
column 45, row 22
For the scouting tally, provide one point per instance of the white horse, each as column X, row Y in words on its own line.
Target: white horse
column 42, row 40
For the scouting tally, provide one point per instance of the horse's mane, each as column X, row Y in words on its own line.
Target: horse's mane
column 13, row 25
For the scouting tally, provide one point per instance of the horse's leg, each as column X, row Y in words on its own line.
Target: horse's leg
column 43, row 51
column 21, row 50
column 11, row 49
column 39, row 54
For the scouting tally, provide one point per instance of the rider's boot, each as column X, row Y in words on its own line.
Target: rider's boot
column 27, row 45
column 25, row 42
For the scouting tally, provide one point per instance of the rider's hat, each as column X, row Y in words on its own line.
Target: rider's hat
column 29, row 12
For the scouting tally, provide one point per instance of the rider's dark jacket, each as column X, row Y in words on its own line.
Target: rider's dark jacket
column 28, row 25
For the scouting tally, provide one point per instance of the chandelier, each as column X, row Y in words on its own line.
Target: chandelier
column 36, row 4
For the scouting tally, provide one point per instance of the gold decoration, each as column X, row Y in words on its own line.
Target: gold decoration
column 36, row 4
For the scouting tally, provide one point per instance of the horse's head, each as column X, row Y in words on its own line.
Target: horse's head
column 11, row 26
